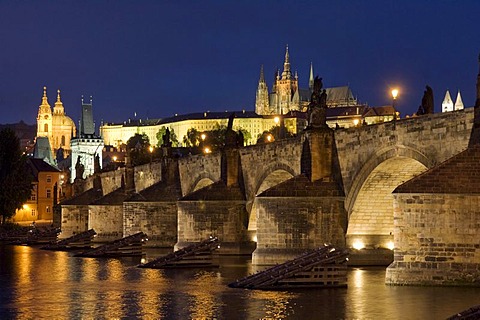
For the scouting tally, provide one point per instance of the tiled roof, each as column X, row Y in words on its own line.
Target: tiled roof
column 457, row 175
column 38, row 165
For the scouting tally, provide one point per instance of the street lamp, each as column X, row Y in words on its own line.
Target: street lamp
column 394, row 96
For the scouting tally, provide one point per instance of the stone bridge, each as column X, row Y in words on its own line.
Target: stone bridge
column 373, row 160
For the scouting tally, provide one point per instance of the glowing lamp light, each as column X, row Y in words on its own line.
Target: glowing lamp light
column 150, row 149
column 358, row 245
column 255, row 238
column 390, row 245
column 276, row 119
column 203, row 136
column 269, row 138
column 207, row 150
column 355, row 122
column 394, row 93
column 114, row 158
column 25, row 206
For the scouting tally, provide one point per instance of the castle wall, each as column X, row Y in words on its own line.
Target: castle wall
column 227, row 220
column 289, row 226
column 158, row 220
column 436, row 240
column 107, row 221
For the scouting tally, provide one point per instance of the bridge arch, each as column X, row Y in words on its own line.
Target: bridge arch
column 201, row 181
column 273, row 175
column 369, row 202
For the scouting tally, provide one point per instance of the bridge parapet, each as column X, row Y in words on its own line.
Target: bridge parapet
column 195, row 168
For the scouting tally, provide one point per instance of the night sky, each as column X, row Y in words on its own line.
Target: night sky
column 157, row 58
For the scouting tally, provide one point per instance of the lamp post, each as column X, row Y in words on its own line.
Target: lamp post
column 394, row 96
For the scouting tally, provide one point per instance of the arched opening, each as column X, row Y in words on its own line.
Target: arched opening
column 274, row 178
column 45, row 127
column 204, row 182
column 63, row 141
column 370, row 222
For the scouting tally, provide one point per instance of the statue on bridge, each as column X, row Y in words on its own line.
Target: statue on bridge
column 79, row 169
column 166, row 139
column 427, row 106
column 231, row 137
column 317, row 109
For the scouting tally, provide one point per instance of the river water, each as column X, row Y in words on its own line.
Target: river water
column 37, row 284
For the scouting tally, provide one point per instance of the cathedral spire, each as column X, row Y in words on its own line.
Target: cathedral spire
column 286, row 74
column 310, row 80
column 262, row 77
column 58, row 96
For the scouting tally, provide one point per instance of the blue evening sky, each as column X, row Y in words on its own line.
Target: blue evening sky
column 157, row 58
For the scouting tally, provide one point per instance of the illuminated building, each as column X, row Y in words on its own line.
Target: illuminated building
column 447, row 104
column 87, row 145
column 56, row 126
column 118, row 134
column 40, row 204
column 286, row 95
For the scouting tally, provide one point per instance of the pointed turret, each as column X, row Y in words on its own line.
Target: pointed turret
column 286, row 74
column 310, row 80
column 458, row 102
column 58, row 108
column 261, row 101
column 44, row 107
column 262, row 77
column 447, row 104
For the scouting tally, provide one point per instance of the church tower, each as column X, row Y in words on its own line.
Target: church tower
column 286, row 87
column 310, row 80
column 261, row 101
column 63, row 128
column 44, row 119
column 447, row 104
column 458, row 102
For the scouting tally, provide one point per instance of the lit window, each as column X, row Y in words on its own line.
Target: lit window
column 33, row 212
column 49, row 193
column 49, row 178
column 47, row 209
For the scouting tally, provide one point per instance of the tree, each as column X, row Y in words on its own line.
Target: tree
column 246, row 135
column 15, row 177
column 138, row 147
column 273, row 134
column 173, row 137
column 192, row 139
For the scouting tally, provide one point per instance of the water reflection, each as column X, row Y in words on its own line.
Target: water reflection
column 272, row 304
column 40, row 284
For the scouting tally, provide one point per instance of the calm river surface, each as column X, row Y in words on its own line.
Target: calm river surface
column 37, row 284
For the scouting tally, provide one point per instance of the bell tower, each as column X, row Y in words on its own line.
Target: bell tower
column 44, row 118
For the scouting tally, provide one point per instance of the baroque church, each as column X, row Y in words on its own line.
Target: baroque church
column 286, row 95
column 56, row 125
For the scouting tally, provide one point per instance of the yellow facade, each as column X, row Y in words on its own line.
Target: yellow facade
column 56, row 125
column 40, row 204
column 117, row 134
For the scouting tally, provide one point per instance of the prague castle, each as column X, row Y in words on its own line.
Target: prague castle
column 56, row 126
column 286, row 95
